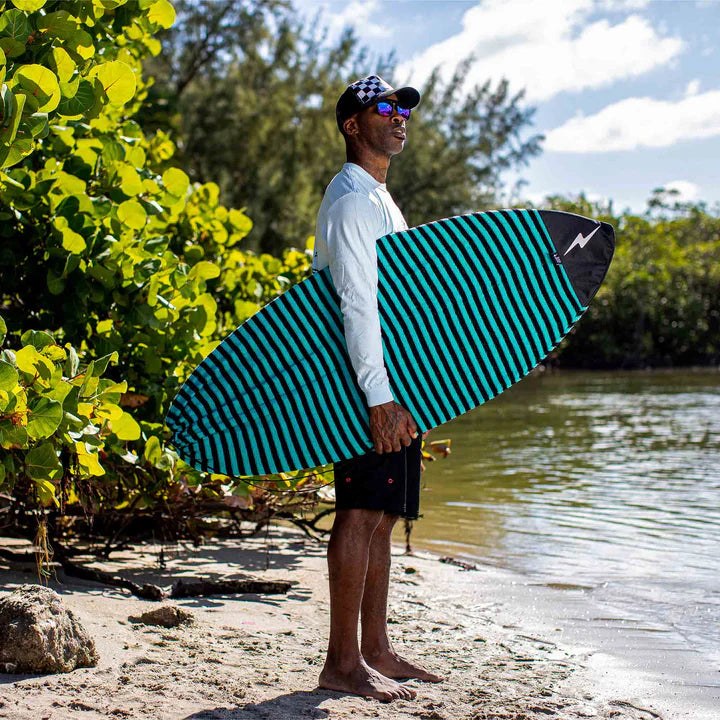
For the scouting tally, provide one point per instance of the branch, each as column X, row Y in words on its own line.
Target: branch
column 202, row 588
column 203, row 53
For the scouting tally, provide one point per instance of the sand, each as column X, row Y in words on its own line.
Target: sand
column 258, row 656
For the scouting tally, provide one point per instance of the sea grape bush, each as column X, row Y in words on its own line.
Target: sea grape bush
column 59, row 415
column 117, row 274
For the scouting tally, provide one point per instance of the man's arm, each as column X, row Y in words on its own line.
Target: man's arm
column 354, row 224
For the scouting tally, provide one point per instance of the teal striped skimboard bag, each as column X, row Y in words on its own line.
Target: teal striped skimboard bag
column 468, row 306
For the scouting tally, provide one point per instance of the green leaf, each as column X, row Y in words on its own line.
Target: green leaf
column 83, row 44
column 11, row 47
column 90, row 383
column 100, row 365
column 153, row 451
column 60, row 391
column 240, row 221
column 63, row 65
column 118, row 81
column 41, row 463
column 126, row 428
column 132, row 214
column 55, row 283
column 28, row 5
column 3, row 331
column 40, row 83
column 44, row 418
column 204, row 270
column 29, row 361
column 36, row 125
column 37, row 338
column 8, row 376
column 11, row 436
column 13, row 108
column 130, row 181
column 72, row 242
column 176, row 182
column 13, row 154
column 80, row 102
column 58, row 24
column 109, row 411
column 162, row 13
column 88, row 459
column 15, row 24
column 46, row 491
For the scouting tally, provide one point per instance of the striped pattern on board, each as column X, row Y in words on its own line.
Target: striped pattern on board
column 468, row 306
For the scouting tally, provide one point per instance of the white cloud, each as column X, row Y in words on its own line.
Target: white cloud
column 639, row 122
column 622, row 5
column 687, row 191
column 538, row 198
column 338, row 16
column 693, row 87
column 547, row 47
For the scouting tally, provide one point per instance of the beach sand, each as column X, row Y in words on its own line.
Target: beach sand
column 255, row 656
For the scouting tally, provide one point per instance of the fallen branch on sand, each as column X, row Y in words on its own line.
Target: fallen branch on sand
column 202, row 588
column 148, row 591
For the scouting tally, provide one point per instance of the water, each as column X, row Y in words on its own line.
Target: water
column 600, row 484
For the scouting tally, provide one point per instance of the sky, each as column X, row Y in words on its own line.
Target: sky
column 627, row 92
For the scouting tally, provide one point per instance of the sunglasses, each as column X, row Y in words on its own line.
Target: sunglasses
column 386, row 107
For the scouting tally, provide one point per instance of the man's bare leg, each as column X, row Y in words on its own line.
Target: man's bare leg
column 376, row 646
column 348, row 552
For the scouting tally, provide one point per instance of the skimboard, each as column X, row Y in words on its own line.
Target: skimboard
column 468, row 306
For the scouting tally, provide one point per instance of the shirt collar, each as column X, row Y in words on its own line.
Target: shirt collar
column 364, row 175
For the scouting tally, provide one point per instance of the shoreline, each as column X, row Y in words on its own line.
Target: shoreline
column 255, row 656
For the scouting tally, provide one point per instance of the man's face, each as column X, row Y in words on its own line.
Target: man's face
column 384, row 134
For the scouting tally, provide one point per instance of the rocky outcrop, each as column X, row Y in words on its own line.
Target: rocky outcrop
column 39, row 635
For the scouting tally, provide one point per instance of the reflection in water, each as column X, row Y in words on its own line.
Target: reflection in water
column 608, row 481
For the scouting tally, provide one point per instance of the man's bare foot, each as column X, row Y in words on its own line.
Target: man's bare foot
column 363, row 680
column 391, row 665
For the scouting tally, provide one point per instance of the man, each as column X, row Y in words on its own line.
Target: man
column 372, row 491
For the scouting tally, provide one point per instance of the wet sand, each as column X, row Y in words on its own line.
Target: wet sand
column 256, row 656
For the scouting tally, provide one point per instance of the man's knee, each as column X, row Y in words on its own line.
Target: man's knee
column 358, row 520
column 387, row 523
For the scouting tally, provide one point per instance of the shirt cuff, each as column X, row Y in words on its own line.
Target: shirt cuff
column 379, row 395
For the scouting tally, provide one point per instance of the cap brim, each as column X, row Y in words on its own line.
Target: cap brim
column 409, row 97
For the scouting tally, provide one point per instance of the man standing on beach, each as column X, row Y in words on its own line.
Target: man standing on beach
column 374, row 490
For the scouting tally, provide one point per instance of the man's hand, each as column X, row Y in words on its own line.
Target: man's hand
column 391, row 426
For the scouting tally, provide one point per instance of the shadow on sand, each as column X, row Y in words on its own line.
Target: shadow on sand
column 297, row 704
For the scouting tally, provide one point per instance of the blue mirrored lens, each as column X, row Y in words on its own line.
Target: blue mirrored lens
column 385, row 108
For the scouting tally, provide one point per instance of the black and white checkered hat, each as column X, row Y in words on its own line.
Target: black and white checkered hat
column 367, row 91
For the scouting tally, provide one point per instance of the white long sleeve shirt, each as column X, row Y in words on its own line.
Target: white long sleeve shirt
column 355, row 211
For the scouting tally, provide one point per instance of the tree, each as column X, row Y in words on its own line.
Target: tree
column 660, row 302
column 459, row 147
column 258, row 116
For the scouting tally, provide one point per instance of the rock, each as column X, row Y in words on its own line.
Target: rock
column 166, row 616
column 39, row 635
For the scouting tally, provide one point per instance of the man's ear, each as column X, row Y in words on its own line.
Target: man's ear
column 351, row 127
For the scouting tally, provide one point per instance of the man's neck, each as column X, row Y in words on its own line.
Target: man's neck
column 377, row 166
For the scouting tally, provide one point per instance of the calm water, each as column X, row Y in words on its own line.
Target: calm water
column 604, row 484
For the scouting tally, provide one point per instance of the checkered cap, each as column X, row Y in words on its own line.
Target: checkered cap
column 368, row 90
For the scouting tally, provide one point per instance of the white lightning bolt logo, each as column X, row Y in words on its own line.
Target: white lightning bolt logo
column 581, row 240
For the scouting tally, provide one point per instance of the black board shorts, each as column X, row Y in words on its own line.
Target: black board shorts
column 381, row 481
